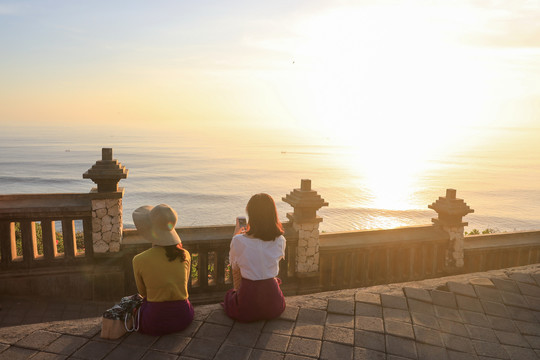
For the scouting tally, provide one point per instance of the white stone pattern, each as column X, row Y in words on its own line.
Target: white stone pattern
column 307, row 253
column 106, row 225
column 455, row 253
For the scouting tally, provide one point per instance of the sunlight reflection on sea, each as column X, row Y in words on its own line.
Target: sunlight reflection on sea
column 209, row 182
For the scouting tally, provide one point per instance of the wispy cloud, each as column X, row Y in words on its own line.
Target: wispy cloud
column 513, row 24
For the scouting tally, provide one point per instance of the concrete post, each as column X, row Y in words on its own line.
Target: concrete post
column 450, row 212
column 306, row 202
column 107, row 222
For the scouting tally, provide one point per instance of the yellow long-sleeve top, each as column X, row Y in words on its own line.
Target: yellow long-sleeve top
column 159, row 279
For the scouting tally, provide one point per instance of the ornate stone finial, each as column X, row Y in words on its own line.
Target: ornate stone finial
column 106, row 154
column 106, row 173
column 450, row 209
column 305, row 202
column 305, row 184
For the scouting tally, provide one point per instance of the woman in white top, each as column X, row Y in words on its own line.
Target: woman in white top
column 256, row 252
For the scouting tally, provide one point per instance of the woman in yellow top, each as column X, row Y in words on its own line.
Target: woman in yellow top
column 162, row 273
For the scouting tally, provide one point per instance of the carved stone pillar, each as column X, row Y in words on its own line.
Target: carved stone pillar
column 107, row 222
column 306, row 202
column 450, row 212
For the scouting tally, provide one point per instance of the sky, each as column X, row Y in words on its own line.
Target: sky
column 415, row 71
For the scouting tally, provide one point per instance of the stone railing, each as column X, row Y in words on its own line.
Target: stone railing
column 365, row 258
column 48, row 246
column 94, row 217
column 26, row 248
column 497, row 251
column 100, row 267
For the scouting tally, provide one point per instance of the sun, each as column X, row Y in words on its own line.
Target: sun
column 393, row 87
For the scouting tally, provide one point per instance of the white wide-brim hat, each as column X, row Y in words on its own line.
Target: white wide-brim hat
column 156, row 224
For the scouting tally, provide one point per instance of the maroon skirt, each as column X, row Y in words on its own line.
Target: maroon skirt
column 160, row 318
column 255, row 300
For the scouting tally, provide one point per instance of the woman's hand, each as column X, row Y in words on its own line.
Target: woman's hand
column 239, row 230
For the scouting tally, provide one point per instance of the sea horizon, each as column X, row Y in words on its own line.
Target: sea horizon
column 209, row 180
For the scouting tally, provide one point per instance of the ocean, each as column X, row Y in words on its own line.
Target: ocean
column 209, row 179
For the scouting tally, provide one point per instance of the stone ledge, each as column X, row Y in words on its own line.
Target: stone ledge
column 311, row 329
column 95, row 195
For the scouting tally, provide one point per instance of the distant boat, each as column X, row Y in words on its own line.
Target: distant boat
column 68, row 150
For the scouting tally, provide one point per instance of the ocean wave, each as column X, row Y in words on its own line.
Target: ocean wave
column 367, row 210
column 192, row 196
column 35, row 180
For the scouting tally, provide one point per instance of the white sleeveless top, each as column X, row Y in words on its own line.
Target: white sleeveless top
column 257, row 259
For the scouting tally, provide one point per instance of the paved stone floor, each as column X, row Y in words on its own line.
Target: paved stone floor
column 491, row 315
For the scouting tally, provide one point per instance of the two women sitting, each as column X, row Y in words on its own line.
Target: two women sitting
column 163, row 271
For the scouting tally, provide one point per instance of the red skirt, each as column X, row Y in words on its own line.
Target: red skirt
column 255, row 300
column 160, row 318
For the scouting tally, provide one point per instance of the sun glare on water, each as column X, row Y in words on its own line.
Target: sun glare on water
column 396, row 88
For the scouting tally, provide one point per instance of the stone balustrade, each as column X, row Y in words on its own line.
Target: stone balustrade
column 101, row 269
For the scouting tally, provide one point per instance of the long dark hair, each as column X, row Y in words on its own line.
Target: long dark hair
column 175, row 251
column 263, row 223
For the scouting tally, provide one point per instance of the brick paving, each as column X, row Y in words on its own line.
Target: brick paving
column 490, row 315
